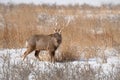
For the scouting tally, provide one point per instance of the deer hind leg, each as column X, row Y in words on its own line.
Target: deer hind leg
column 37, row 54
column 29, row 50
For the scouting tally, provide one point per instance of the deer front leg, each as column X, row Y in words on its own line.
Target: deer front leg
column 26, row 53
column 52, row 54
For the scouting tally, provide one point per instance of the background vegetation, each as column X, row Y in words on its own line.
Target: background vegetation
column 88, row 32
column 86, row 28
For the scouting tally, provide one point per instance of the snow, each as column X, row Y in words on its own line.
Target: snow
column 102, row 15
column 97, row 31
column 66, row 2
column 111, row 54
column 113, row 62
column 53, row 19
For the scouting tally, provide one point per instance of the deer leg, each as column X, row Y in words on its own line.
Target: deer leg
column 52, row 54
column 37, row 54
column 26, row 53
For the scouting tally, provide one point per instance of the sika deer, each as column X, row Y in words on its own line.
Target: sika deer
column 44, row 42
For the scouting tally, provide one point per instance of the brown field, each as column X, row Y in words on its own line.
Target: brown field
column 85, row 28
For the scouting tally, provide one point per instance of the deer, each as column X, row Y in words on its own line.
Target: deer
column 40, row 42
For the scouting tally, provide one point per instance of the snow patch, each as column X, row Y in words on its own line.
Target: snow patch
column 113, row 62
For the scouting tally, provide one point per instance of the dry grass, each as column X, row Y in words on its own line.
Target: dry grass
column 22, row 21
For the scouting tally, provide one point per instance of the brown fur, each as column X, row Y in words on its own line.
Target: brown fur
column 43, row 42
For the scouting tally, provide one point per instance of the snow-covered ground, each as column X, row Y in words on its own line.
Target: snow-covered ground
column 66, row 2
column 66, row 70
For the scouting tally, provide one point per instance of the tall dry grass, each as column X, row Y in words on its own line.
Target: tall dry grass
column 22, row 21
